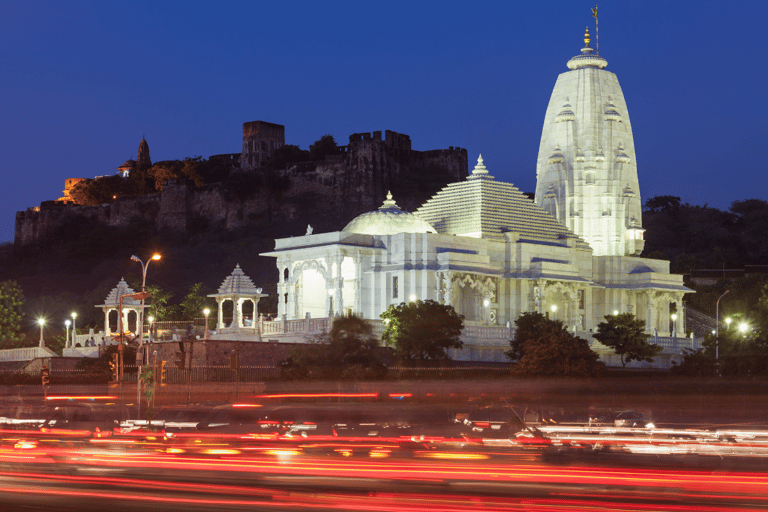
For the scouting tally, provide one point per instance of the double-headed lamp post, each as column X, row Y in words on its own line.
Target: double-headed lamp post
column 717, row 325
column 41, row 321
column 143, row 284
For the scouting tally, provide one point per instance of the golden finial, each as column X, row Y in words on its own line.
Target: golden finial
column 586, row 38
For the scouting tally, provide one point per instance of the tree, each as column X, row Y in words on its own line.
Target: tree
column 529, row 326
column 325, row 145
column 11, row 311
column 196, row 300
column 422, row 330
column 350, row 350
column 543, row 347
column 158, row 303
column 695, row 363
column 666, row 204
column 288, row 154
column 626, row 336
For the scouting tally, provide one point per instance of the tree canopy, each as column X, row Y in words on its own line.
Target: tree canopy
column 422, row 330
column 626, row 336
column 11, row 311
column 543, row 347
column 196, row 300
column 350, row 350
column 325, row 145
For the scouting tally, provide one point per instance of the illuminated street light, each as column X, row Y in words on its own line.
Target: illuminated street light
column 615, row 312
column 67, row 323
column 728, row 322
column 150, row 319
column 74, row 329
column 207, row 312
column 717, row 325
column 743, row 327
column 412, row 298
column 41, row 321
column 143, row 284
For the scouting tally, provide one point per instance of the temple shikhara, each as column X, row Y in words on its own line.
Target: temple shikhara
column 492, row 253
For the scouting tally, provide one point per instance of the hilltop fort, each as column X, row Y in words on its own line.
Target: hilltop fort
column 353, row 180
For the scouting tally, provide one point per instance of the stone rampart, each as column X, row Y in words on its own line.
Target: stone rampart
column 342, row 186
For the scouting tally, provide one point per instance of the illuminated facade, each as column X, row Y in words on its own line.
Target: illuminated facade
column 481, row 246
column 586, row 170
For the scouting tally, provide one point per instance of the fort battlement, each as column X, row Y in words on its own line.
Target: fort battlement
column 391, row 139
column 343, row 185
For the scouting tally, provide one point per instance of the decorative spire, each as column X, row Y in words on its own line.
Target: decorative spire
column 586, row 38
column 480, row 171
column 389, row 203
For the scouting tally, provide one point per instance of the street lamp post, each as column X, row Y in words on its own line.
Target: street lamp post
column 674, row 324
column 151, row 320
column 74, row 330
column 143, row 284
column 67, row 323
column 207, row 312
column 41, row 321
column 717, row 325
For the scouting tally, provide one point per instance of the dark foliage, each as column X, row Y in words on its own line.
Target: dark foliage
column 422, row 330
column 543, row 347
column 349, row 351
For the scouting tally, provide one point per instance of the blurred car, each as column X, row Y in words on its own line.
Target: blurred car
column 494, row 421
column 173, row 419
column 236, row 419
column 632, row 419
column 83, row 418
column 17, row 413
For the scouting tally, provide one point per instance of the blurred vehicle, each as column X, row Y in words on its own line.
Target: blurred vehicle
column 18, row 413
column 494, row 421
column 83, row 418
column 173, row 419
column 236, row 419
column 632, row 419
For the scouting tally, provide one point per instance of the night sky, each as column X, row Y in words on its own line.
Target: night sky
column 82, row 82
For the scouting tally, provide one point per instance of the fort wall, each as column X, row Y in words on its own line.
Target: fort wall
column 341, row 187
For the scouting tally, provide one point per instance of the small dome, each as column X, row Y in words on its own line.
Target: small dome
column 389, row 219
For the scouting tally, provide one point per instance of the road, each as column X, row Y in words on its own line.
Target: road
column 147, row 473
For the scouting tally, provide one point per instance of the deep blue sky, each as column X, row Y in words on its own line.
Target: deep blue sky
column 82, row 81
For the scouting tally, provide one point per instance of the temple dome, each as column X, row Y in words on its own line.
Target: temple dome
column 389, row 219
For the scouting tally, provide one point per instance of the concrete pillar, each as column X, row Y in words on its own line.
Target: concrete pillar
column 220, row 322
column 281, row 289
column 339, row 293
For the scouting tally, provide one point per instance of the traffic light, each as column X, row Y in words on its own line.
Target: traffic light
column 114, row 368
column 180, row 359
column 163, row 374
column 44, row 375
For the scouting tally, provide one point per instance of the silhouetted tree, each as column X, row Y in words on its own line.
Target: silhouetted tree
column 422, row 330
column 626, row 336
